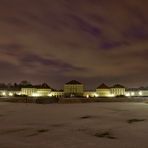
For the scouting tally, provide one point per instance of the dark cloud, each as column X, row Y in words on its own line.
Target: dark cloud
column 89, row 40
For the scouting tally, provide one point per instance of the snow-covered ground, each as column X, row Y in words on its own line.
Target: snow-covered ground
column 95, row 125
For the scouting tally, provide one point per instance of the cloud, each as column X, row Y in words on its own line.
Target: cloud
column 84, row 39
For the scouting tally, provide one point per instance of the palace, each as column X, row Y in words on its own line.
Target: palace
column 73, row 89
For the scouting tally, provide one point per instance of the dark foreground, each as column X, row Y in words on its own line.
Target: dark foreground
column 91, row 125
column 47, row 100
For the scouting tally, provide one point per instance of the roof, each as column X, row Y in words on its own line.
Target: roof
column 103, row 86
column 143, row 88
column 28, row 86
column 73, row 82
column 43, row 86
column 132, row 89
column 118, row 86
column 14, row 89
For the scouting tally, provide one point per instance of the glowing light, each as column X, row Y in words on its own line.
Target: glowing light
column 87, row 96
column 140, row 93
column 10, row 94
column 19, row 93
column 49, row 95
column 96, row 95
column 132, row 94
column 4, row 93
column 127, row 94
column 111, row 95
column 35, row 95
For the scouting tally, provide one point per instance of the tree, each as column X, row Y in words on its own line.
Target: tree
column 25, row 83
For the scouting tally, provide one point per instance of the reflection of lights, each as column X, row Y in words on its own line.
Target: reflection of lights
column 140, row 93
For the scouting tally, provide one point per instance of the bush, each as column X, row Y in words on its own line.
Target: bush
column 46, row 100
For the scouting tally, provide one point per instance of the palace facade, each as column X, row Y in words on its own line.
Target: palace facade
column 73, row 89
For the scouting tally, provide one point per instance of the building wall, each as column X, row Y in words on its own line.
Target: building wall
column 90, row 94
column 144, row 92
column 73, row 89
column 3, row 92
column 57, row 94
column 28, row 91
column 136, row 93
column 103, row 92
column 118, row 91
column 43, row 92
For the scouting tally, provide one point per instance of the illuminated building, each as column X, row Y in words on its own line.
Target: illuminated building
column 9, row 91
column 137, row 92
column 118, row 90
column 103, row 91
column 43, row 90
column 90, row 94
column 28, row 91
column 36, row 91
column 73, row 89
column 57, row 93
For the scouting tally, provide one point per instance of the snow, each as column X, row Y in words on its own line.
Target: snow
column 90, row 125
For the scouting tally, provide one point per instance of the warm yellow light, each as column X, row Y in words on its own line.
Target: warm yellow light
column 35, row 95
column 10, row 94
column 96, row 95
column 87, row 96
column 132, row 93
column 127, row 94
column 49, row 95
column 111, row 95
column 4, row 93
column 19, row 93
column 140, row 93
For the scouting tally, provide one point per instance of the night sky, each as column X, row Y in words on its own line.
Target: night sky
column 92, row 41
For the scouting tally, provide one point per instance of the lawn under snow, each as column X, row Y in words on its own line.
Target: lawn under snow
column 95, row 125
